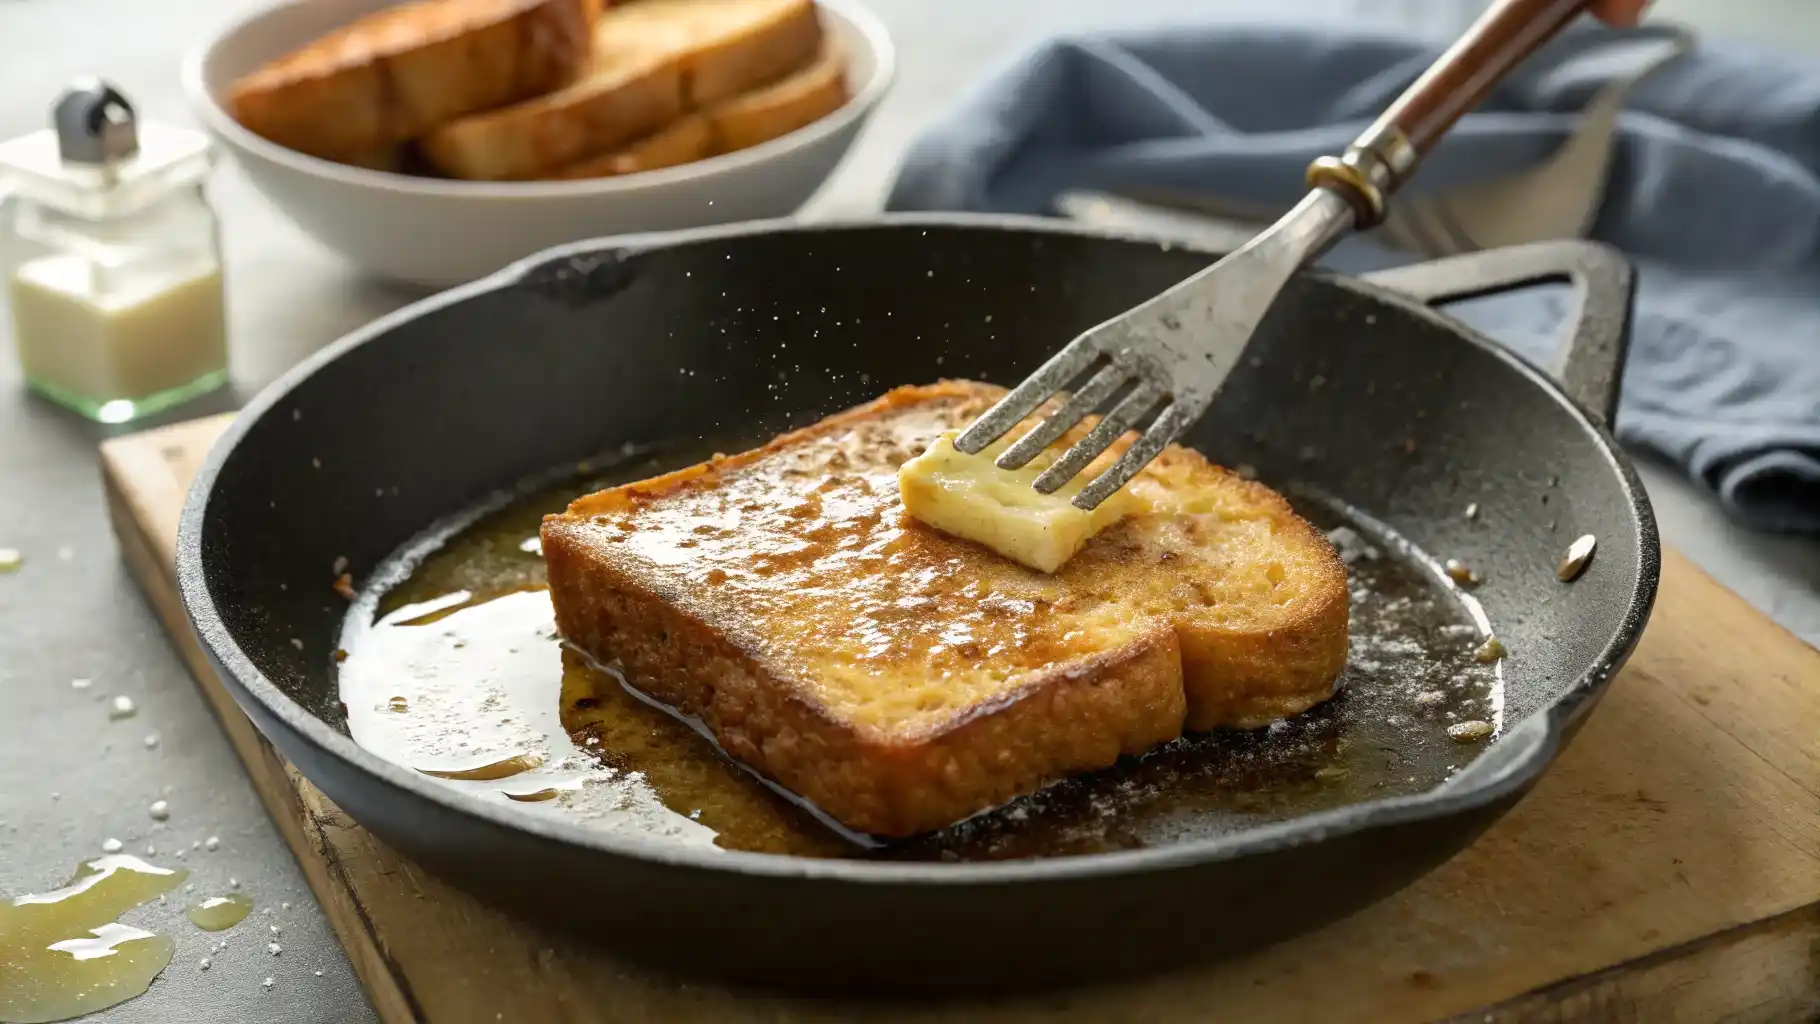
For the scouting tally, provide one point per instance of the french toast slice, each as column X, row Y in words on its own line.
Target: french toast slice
column 798, row 99
column 901, row 679
column 654, row 61
column 391, row 76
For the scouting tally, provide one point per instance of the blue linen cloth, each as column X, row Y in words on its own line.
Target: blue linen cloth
column 1714, row 192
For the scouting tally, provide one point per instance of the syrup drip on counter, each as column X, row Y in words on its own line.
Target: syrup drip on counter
column 63, row 954
column 455, row 669
column 219, row 913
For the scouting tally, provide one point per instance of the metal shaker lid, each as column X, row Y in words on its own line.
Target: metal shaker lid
column 95, row 124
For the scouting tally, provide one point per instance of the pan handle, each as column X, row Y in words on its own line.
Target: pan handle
column 1590, row 362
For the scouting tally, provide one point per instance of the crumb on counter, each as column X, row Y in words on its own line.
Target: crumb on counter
column 1469, row 732
column 1491, row 650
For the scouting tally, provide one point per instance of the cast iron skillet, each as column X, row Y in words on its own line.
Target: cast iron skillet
column 581, row 349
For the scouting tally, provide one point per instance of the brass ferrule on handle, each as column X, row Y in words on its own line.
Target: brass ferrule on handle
column 1379, row 161
column 1372, row 168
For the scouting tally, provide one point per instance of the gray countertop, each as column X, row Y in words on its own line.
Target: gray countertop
column 70, row 777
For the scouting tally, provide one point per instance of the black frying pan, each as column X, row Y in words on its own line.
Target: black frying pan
column 582, row 349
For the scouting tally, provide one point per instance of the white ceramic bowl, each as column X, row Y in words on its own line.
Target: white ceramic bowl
column 435, row 232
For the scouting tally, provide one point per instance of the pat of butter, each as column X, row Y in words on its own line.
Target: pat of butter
column 969, row 497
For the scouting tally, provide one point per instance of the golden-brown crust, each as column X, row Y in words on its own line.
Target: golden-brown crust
column 522, row 141
column 782, row 107
column 901, row 679
column 1077, row 719
column 794, row 101
column 654, row 61
column 1246, row 678
column 395, row 74
column 735, row 63
column 686, row 140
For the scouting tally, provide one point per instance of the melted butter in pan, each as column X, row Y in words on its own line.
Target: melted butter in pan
column 457, row 672
column 470, row 691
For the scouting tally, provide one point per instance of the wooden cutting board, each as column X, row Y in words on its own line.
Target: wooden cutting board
column 1666, row 869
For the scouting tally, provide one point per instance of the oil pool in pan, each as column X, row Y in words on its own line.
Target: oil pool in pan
column 451, row 666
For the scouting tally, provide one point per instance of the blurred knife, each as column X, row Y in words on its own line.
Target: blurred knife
column 1557, row 198
column 1188, row 219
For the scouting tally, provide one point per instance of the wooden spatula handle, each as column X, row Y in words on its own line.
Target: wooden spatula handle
column 1387, row 153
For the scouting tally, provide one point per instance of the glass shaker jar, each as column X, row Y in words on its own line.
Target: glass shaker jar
column 111, row 259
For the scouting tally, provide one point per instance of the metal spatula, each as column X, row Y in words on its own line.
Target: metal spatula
column 1162, row 362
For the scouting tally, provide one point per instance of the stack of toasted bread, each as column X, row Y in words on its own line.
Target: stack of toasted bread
column 515, row 90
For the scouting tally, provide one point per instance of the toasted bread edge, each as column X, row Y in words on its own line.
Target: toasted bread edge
column 686, row 140
column 1246, row 680
column 769, row 112
column 344, row 107
column 1286, row 658
column 527, row 140
column 791, row 103
column 739, row 64
column 558, row 137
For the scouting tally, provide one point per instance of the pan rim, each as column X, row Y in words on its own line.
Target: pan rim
column 1544, row 730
